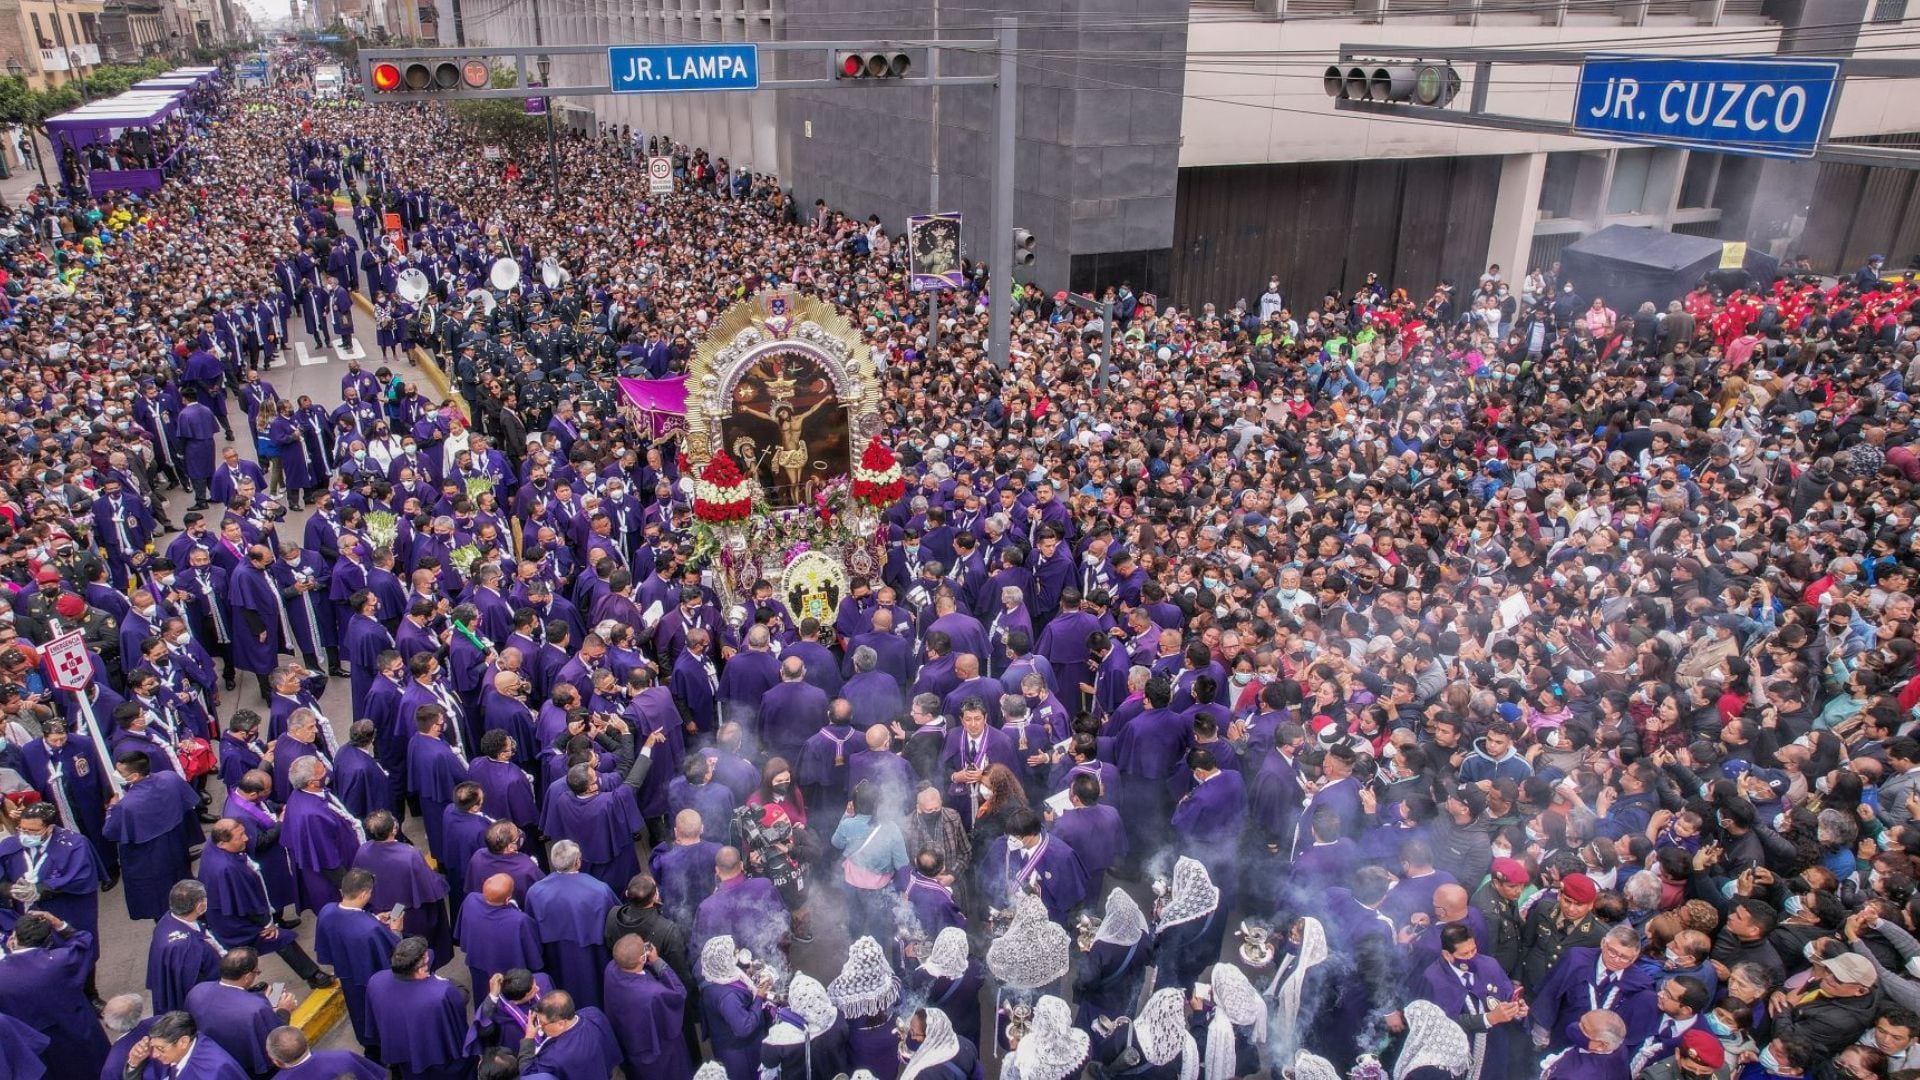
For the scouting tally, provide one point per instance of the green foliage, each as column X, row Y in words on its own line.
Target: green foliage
column 498, row 119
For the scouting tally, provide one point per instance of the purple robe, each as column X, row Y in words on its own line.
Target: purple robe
column 509, row 791
column 237, row 1020
column 318, row 841
column 496, row 938
column 1051, row 867
column 461, row 834
column 570, row 912
column 331, row 1065
column 249, row 590
column 420, row 1024
column 357, row 946
column 238, row 908
column 181, row 956
column 361, row 782
column 518, row 866
column 400, row 876
column 789, row 714
column 876, row 699
column 586, row 1051
column 69, row 878
column 45, row 988
column 434, row 769
column 1448, row 987
column 747, row 679
column 684, row 873
column 648, row 1009
column 933, row 906
column 1097, row 835
column 604, row 825
column 735, row 1023
column 151, row 823
column 749, row 908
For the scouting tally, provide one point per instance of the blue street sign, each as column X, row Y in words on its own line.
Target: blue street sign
column 656, row 69
column 1765, row 107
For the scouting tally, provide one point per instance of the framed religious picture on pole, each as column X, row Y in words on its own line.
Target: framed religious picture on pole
column 933, row 246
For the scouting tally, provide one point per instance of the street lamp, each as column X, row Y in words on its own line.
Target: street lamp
column 545, row 63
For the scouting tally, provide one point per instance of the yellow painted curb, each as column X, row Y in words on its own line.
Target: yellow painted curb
column 320, row 1012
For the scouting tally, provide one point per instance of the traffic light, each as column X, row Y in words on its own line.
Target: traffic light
column 880, row 65
column 1420, row 84
column 1023, row 244
column 430, row 76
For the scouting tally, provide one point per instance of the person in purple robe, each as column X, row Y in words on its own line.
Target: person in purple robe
column 503, row 710
column 494, row 933
column 647, row 1003
column 358, row 777
column 434, row 769
column 947, row 978
column 68, row 771
column 931, row 900
column 52, row 870
column 875, row 696
column 362, row 641
column 791, row 711
column 295, row 1058
column 183, row 952
column 319, row 833
column 695, row 684
column 1040, row 863
column 20, row 1048
column 239, row 912
column 508, row 787
column 255, row 602
column 1092, row 829
column 43, row 984
column 747, row 909
column 357, row 942
column 683, row 867
column 576, row 1042
column 419, row 1019
column 234, row 1017
column 1209, row 818
column 196, row 426
column 151, row 823
column 603, row 822
column 569, row 909
column 502, row 854
column 747, row 678
column 463, row 832
column 734, row 1009
column 823, row 762
column 501, row 1014
column 1603, row 1053
column 1471, row 989
column 401, row 879
column 969, row 752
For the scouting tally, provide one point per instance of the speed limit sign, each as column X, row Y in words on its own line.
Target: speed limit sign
column 660, row 176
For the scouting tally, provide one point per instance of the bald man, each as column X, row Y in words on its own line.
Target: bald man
column 495, row 933
column 880, row 763
column 683, row 867
column 791, row 711
column 1450, row 905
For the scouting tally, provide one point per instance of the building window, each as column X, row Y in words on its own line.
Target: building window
column 1627, row 193
column 1557, row 185
column 1889, row 11
column 1698, row 182
column 40, row 35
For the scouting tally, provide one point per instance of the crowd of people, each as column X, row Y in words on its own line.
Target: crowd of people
column 1490, row 685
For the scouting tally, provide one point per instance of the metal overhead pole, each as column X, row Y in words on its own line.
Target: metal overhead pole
column 1005, row 115
column 933, row 184
column 546, row 78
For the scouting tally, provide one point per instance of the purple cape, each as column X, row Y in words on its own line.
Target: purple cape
column 570, row 913
column 419, row 1023
column 496, row 939
column 357, row 946
column 648, row 1010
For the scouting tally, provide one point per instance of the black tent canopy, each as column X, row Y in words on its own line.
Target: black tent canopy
column 1629, row 265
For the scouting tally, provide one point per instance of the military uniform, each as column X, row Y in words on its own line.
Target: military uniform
column 1545, row 938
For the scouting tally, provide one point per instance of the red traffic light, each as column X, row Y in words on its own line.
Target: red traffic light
column 852, row 66
column 872, row 65
column 386, row 77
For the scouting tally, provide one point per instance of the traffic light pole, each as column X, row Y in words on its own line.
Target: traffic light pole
column 1005, row 116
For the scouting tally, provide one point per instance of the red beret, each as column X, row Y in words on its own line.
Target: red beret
column 47, row 575
column 70, row 607
column 1511, row 871
column 1579, row 888
column 1702, row 1047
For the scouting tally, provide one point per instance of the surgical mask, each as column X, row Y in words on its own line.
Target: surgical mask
column 1768, row 1061
column 1502, row 851
column 29, row 840
column 1014, row 845
column 1674, row 957
column 183, row 640
column 1792, row 907
column 1535, row 835
column 1716, row 1025
column 1242, row 678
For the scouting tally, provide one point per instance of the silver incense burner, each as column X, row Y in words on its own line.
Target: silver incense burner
column 1086, row 928
column 1256, row 945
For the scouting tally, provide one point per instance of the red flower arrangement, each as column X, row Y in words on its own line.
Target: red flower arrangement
column 876, row 479
column 720, row 495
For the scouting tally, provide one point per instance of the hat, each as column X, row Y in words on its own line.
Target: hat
column 1852, row 968
column 1510, row 871
column 47, row 576
column 1701, row 1047
column 1775, row 780
column 1579, row 888
column 70, row 607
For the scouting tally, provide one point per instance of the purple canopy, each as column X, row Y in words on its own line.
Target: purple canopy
column 663, row 402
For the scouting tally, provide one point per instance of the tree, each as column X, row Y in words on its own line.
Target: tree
column 498, row 119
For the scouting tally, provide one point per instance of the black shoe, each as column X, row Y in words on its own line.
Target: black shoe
column 337, row 673
column 198, row 506
column 321, row 980
column 228, row 684
column 206, row 818
column 292, row 923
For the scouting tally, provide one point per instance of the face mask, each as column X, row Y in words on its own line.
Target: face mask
column 1716, row 1025
column 1768, row 1061
column 1502, row 851
column 1792, row 907
column 1242, row 678
column 182, row 640
column 1553, row 739
column 1014, row 845
column 1535, row 835
column 30, row 841
column 782, row 789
